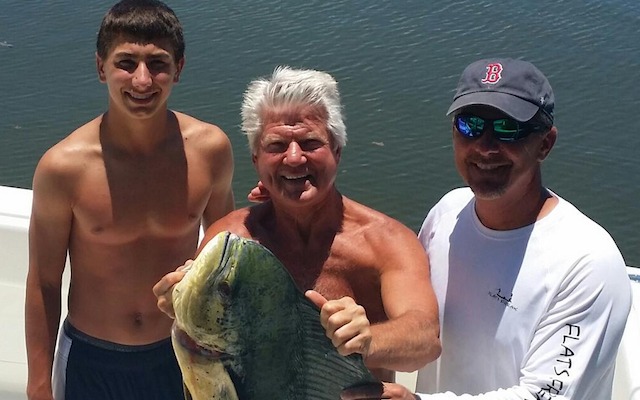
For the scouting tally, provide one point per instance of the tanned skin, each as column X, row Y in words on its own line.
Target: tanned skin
column 366, row 271
column 125, row 195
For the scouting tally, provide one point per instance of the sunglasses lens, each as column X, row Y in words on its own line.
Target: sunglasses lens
column 504, row 129
column 469, row 126
column 508, row 130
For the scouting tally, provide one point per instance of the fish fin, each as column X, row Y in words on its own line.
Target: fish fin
column 326, row 372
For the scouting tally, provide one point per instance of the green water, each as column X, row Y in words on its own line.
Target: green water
column 397, row 63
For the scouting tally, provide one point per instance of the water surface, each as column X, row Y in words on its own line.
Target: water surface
column 397, row 63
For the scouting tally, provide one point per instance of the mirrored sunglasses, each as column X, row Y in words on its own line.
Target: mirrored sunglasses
column 504, row 129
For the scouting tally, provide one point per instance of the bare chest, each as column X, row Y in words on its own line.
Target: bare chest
column 339, row 271
column 121, row 202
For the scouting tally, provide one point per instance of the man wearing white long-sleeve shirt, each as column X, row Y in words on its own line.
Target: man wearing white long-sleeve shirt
column 533, row 294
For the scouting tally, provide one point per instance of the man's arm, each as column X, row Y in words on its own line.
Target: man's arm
column 574, row 347
column 48, row 242
column 221, row 200
column 395, row 391
column 575, row 343
column 411, row 337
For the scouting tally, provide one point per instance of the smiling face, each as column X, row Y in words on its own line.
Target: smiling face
column 139, row 76
column 494, row 169
column 295, row 157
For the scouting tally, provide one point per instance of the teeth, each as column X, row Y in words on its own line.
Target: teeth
column 140, row 96
column 487, row 167
column 294, row 176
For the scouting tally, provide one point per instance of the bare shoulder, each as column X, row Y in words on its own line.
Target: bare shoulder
column 234, row 222
column 379, row 240
column 72, row 155
column 250, row 222
column 202, row 134
column 374, row 225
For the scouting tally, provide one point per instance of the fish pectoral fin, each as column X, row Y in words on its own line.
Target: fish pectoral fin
column 362, row 391
column 187, row 394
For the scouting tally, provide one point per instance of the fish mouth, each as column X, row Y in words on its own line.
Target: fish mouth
column 193, row 347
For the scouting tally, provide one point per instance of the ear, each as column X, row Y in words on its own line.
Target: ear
column 100, row 68
column 338, row 153
column 547, row 143
column 254, row 158
column 179, row 66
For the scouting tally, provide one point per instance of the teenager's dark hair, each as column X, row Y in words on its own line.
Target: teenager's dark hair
column 143, row 20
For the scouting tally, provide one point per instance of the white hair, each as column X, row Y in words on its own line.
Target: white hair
column 288, row 86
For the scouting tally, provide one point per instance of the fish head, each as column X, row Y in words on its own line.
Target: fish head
column 203, row 300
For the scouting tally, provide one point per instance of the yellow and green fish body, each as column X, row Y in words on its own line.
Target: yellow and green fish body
column 243, row 330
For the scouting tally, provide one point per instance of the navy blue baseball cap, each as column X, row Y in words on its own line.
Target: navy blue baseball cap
column 515, row 87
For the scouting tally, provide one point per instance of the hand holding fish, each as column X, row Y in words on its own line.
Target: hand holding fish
column 345, row 323
column 163, row 290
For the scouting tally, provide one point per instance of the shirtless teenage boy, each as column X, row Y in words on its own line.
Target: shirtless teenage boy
column 125, row 195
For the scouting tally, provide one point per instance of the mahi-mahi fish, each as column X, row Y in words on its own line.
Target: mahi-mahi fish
column 244, row 331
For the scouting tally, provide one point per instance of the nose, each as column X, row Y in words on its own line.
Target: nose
column 294, row 155
column 487, row 142
column 142, row 76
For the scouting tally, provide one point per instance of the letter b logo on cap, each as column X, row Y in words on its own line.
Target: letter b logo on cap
column 494, row 71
